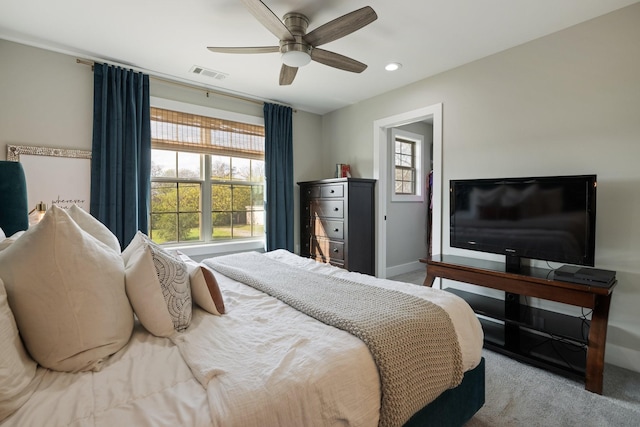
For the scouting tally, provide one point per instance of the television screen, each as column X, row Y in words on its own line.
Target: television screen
column 545, row 218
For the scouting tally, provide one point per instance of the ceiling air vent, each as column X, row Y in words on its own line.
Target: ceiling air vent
column 213, row 74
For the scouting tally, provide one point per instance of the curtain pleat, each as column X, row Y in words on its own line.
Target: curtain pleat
column 278, row 158
column 121, row 151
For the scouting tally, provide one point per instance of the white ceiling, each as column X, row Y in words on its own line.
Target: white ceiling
column 167, row 38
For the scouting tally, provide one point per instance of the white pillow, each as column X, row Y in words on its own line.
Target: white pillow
column 135, row 243
column 94, row 227
column 17, row 369
column 67, row 294
column 8, row 241
column 144, row 291
column 157, row 285
column 205, row 291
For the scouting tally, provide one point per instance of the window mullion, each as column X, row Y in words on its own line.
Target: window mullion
column 206, row 201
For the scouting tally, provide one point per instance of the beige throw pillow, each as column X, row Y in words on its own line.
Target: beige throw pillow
column 17, row 369
column 204, row 287
column 94, row 227
column 67, row 293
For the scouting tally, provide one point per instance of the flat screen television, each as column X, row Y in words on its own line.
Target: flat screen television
column 543, row 218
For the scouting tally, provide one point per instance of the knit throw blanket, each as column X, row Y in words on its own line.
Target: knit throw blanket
column 412, row 341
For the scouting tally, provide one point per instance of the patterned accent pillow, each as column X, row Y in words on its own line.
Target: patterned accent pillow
column 143, row 289
column 158, row 286
column 174, row 282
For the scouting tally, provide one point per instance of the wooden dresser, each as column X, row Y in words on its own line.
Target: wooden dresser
column 337, row 222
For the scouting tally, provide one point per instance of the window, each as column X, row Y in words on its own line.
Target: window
column 207, row 178
column 405, row 158
column 407, row 175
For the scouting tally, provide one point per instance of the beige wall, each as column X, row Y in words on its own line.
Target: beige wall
column 568, row 103
column 45, row 99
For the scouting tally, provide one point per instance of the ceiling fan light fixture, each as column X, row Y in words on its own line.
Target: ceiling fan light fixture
column 393, row 66
column 298, row 47
column 294, row 58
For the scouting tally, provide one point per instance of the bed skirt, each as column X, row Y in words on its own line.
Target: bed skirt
column 456, row 406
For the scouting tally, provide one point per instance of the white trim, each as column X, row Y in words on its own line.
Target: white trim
column 419, row 162
column 409, row 267
column 204, row 249
column 201, row 110
column 380, row 165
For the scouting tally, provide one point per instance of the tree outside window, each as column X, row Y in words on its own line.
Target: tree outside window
column 207, row 179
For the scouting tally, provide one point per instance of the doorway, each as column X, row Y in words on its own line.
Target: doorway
column 381, row 172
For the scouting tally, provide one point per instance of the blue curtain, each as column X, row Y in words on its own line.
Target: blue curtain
column 278, row 156
column 121, row 151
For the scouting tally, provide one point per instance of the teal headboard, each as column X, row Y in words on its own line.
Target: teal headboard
column 14, row 209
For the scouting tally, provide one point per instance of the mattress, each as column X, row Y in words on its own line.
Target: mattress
column 265, row 364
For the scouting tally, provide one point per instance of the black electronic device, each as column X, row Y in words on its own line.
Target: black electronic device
column 545, row 218
column 585, row 276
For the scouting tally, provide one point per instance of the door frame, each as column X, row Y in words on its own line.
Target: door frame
column 381, row 174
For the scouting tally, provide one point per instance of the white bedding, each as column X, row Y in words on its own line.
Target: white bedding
column 256, row 371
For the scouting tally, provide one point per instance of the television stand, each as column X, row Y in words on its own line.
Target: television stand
column 546, row 339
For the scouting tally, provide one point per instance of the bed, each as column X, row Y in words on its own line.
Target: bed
column 249, row 359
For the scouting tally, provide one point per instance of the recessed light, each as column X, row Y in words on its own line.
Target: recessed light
column 393, row 66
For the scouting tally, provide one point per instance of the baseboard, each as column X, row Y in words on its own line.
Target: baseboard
column 404, row 268
column 623, row 357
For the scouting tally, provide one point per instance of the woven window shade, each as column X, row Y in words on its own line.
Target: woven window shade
column 174, row 130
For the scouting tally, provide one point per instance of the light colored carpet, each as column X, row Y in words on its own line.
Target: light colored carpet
column 521, row 395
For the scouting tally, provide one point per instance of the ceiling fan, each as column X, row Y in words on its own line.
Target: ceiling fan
column 297, row 46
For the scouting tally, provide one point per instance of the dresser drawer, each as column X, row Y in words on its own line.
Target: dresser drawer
column 312, row 192
column 327, row 208
column 326, row 250
column 327, row 191
column 329, row 229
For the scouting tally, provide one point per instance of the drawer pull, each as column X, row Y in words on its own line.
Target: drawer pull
column 336, row 209
column 332, row 191
column 335, row 250
column 336, row 229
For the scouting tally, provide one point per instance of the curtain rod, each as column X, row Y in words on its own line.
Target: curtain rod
column 193, row 86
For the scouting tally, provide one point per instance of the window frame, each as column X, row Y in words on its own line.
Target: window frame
column 419, row 168
column 208, row 246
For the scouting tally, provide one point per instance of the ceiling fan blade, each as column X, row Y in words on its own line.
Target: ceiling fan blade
column 255, row 49
column 267, row 18
column 342, row 26
column 336, row 60
column 287, row 74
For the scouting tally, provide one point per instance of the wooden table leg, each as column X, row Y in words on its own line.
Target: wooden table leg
column 428, row 281
column 597, row 340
